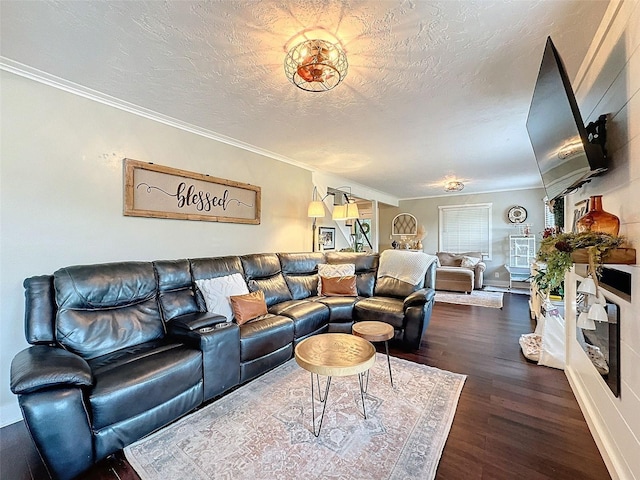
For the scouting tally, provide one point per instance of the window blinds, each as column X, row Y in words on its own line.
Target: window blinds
column 465, row 228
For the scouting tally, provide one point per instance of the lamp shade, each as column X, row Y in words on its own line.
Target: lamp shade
column 351, row 211
column 316, row 209
column 598, row 313
column 587, row 286
column 585, row 322
column 339, row 212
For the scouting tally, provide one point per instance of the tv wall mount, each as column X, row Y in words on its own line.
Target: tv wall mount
column 597, row 133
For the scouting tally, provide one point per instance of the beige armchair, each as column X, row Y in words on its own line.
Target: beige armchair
column 460, row 272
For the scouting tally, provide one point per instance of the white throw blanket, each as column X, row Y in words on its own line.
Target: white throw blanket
column 405, row 265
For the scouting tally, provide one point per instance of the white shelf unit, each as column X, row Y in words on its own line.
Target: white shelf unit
column 522, row 253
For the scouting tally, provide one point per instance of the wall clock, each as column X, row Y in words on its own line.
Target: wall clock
column 517, row 214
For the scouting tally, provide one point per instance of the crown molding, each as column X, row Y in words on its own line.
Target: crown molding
column 34, row 74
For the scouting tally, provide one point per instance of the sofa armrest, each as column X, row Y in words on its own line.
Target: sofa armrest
column 478, row 281
column 419, row 298
column 194, row 321
column 219, row 342
column 41, row 366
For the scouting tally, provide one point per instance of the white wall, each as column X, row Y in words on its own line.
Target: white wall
column 62, row 197
column 609, row 82
column 426, row 212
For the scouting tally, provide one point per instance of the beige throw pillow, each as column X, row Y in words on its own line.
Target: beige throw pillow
column 216, row 293
column 469, row 262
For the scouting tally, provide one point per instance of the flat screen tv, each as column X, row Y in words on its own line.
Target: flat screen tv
column 568, row 153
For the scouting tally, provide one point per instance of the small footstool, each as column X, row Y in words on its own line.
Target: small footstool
column 375, row 332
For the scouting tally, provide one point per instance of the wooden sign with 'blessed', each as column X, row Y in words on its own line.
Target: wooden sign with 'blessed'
column 162, row 192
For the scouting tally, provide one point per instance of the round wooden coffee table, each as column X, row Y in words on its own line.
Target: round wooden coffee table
column 375, row 332
column 334, row 355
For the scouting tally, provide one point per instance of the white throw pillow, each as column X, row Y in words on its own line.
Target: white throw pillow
column 334, row 270
column 469, row 262
column 216, row 293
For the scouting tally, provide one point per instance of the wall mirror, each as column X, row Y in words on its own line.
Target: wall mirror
column 404, row 224
column 602, row 344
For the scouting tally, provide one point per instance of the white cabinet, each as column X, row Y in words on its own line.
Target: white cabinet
column 522, row 253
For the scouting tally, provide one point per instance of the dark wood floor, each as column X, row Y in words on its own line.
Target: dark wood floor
column 515, row 419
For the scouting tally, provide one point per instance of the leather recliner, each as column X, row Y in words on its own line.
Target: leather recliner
column 120, row 350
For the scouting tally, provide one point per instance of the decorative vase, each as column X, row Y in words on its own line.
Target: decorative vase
column 597, row 220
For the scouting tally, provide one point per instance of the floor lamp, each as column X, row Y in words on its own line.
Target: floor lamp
column 315, row 211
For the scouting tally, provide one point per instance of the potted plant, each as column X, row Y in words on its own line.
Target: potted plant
column 558, row 252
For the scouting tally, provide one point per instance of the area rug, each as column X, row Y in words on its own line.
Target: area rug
column 263, row 429
column 478, row 298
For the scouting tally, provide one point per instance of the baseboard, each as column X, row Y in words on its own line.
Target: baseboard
column 496, row 283
column 599, row 431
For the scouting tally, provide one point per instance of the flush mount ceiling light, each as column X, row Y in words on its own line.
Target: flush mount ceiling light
column 316, row 65
column 453, row 186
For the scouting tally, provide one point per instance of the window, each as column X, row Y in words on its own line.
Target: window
column 465, row 228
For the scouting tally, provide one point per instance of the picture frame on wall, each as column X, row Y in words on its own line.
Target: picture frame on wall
column 327, row 238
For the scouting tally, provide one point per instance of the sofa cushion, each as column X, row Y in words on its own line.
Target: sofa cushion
column 264, row 335
column 262, row 272
column 133, row 380
column 175, row 288
column 275, row 289
column 249, row 306
column 381, row 309
column 300, row 271
column 392, row 287
column 104, row 308
column 217, row 292
column 454, row 259
column 307, row 316
column 366, row 268
column 340, row 308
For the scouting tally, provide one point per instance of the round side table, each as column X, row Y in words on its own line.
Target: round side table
column 334, row 355
column 375, row 332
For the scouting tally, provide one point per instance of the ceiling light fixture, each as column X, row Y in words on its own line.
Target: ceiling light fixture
column 453, row 186
column 316, row 65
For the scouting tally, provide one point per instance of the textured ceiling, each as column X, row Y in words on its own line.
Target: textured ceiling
column 434, row 89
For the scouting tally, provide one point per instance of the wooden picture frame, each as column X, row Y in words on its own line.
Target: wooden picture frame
column 163, row 192
column 327, row 238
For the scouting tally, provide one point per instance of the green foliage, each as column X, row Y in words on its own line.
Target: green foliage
column 556, row 250
column 558, row 213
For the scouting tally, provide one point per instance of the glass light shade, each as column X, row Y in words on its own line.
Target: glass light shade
column 453, row 186
column 316, row 209
column 339, row 212
column 351, row 211
column 598, row 313
column 316, row 65
column 585, row 322
column 587, row 286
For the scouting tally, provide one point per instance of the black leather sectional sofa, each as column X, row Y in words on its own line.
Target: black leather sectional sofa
column 122, row 349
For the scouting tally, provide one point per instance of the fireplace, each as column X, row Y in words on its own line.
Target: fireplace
column 602, row 343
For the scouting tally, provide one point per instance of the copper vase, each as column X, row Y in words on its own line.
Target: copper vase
column 597, row 220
